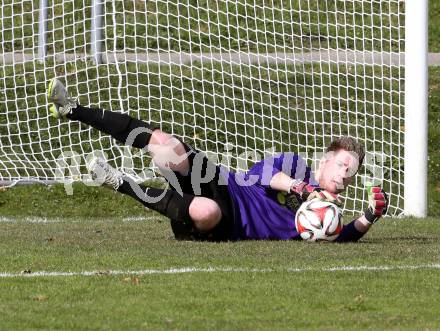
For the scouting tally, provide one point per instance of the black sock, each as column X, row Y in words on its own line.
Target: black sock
column 167, row 202
column 349, row 233
column 118, row 125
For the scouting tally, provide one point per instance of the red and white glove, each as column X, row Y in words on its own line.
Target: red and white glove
column 377, row 204
column 308, row 192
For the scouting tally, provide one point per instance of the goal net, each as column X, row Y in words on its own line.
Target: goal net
column 239, row 79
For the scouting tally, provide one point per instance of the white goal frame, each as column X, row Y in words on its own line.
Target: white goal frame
column 416, row 108
column 416, row 82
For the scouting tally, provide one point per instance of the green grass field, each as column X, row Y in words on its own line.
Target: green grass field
column 108, row 263
column 269, row 285
column 140, row 278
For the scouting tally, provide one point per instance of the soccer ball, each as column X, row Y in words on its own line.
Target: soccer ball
column 318, row 220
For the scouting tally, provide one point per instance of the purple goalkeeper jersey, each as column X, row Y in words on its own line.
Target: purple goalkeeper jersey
column 261, row 212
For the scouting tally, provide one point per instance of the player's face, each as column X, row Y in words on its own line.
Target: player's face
column 337, row 170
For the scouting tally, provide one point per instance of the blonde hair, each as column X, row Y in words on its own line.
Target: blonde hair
column 348, row 144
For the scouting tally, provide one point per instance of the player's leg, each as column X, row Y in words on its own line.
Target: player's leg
column 170, row 153
column 167, row 151
column 202, row 213
column 188, row 209
column 118, row 125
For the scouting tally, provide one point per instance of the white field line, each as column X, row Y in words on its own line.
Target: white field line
column 143, row 219
column 214, row 270
column 4, row 219
column 31, row 220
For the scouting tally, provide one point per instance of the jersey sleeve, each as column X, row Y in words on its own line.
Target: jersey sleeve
column 289, row 163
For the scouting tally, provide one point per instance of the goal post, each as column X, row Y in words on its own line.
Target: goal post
column 238, row 79
column 416, row 108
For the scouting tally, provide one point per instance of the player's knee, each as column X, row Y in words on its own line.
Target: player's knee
column 205, row 213
column 168, row 152
column 164, row 144
column 158, row 137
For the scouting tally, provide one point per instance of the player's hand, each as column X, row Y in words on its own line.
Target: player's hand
column 325, row 195
column 377, row 204
column 309, row 192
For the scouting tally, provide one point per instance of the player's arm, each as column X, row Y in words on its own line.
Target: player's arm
column 377, row 207
column 278, row 173
column 283, row 182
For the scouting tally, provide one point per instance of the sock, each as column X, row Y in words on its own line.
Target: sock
column 167, row 202
column 118, row 125
column 349, row 233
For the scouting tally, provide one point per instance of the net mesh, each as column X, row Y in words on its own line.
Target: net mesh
column 239, row 79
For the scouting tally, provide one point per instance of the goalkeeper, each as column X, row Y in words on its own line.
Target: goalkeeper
column 208, row 202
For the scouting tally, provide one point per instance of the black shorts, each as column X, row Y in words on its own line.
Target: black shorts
column 224, row 230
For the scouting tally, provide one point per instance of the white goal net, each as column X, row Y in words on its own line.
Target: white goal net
column 240, row 79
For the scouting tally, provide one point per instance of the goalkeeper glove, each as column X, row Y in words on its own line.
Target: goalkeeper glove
column 308, row 192
column 377, row 204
